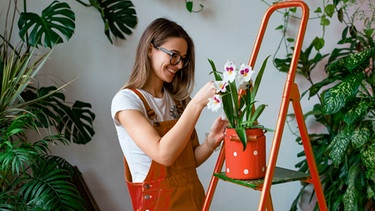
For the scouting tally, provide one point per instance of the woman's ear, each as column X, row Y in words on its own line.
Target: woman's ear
column 150, row 50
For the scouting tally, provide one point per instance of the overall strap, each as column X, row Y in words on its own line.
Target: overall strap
column 150, row 113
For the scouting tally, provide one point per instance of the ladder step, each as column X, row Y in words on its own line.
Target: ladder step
column 281, row 175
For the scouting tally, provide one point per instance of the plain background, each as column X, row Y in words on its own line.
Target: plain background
column 224, row 29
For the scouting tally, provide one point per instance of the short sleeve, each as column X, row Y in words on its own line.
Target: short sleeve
column 125, row 99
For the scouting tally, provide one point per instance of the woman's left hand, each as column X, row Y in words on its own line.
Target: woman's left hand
column 216, row 133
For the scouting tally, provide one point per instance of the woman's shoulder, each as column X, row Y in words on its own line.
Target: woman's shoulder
column 125, row 93
column 126, row 97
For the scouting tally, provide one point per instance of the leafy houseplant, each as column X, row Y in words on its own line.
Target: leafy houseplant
column 344, row 150
column 236, row 95
column 33, row 118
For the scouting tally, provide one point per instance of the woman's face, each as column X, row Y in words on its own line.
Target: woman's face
column 161, row 59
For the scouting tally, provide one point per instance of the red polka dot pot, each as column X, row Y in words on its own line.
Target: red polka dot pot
column 249, row 163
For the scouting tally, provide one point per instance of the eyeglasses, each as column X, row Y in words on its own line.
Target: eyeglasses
column 175, row 57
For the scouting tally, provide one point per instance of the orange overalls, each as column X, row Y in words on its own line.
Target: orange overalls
column 173, row 188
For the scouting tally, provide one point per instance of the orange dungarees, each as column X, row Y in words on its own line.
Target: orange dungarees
column 173, row 188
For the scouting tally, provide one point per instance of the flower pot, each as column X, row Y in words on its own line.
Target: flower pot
column 249, row 163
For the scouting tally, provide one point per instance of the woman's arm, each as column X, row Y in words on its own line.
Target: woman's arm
column 211, row 142
column 165, row 150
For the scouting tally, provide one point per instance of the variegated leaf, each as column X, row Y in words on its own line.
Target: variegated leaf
column 360, row 136
column 370, row 192
column 356, row 112
column 339, row 146
column 368, row 158
column 351, row 194
column 336, row 97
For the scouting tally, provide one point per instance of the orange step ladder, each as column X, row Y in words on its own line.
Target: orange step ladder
column 277, row 175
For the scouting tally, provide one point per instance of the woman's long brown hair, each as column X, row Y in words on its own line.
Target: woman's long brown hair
column 157, row 33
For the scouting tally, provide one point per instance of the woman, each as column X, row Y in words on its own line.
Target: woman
column 155, row 120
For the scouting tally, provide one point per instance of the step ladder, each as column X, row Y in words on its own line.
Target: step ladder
column 277, row 175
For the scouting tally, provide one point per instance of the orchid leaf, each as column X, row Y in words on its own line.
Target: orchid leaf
column 234, row 97
column 228, row 108
column 241, row 132
column 214, row 71
column 259, row 78
column 254, row 118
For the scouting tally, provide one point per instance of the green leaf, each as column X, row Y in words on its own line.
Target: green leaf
column 241, row 132
column 74, row 121
column 315, row 88
column 324, row 21
column 340, row 15
column 318, row 10
column 56, row 20
column 357, row 111
column 254, row 117
column 214, row 71
column 280, row 27
column 356, row 60
column 189, row 6
column 368, row 158
column 119, row 17
column 50, row 188
column 351, row 195
column 360, row 136
column 336, row 97
column 16, row 158
column 329, row 10
column 258, row 79
column 290, row 40
column 318, row 43
column 229, row 109
column 339, row 146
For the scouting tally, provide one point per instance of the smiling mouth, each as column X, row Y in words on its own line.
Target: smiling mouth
column 172, row 71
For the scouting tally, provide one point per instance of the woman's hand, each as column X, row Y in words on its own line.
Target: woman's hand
column 216, row 134
column 201, row 97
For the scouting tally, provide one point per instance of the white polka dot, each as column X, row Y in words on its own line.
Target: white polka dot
column 235, row 154
column 246, row 171
column 255, row 152
column 263, row 169
column 228, row 170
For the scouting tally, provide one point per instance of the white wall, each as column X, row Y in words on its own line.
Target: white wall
column 223, row 30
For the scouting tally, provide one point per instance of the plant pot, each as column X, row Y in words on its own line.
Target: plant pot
column 249, row 163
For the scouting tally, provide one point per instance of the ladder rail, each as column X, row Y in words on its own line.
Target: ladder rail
column 214, row 180
column 276, row 142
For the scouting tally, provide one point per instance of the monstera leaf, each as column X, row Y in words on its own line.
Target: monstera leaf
column 50, row 108
column 57, row 20
column 119, row 17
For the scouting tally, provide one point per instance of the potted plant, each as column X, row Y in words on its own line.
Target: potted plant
column 244, row 138
column 33, row 118
column 344, row 149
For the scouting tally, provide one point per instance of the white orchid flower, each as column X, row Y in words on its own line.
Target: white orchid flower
column 245, row 74
column 220, row 86
column 214, row 103
column 229, row 71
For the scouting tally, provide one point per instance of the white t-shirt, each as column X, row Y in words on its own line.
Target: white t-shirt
column 165, row 109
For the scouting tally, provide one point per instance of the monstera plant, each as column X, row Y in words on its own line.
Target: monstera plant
column 32, row 118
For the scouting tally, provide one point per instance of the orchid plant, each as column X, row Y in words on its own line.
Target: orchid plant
column 236, row 95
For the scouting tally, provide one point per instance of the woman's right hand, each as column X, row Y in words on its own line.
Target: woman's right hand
column 206, row 92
